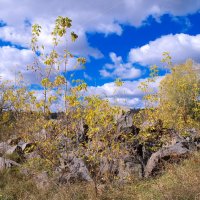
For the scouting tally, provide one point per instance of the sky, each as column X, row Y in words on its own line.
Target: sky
column 119, row 39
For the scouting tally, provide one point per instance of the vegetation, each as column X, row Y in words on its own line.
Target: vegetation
column 168, row 186
column 174, row 106
column 88, row 127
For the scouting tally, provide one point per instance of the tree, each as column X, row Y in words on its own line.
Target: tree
column 49, row 63
column 176, row 104
column 79, row 110
column 179, row 92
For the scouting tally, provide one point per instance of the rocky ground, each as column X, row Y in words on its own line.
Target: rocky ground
column 140, row 162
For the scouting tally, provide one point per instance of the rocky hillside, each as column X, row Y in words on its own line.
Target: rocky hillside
column 138, row 161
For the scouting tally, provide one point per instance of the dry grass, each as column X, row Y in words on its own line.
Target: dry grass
column 181, row 182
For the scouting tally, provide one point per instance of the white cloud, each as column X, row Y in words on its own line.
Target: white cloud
column 57, row 105
column 14, row 60
column 20, row 36
column 94, row 16
column 126, row 103
column 88, row 15
column 119, row 69
column 180, row 46
column 128, row 95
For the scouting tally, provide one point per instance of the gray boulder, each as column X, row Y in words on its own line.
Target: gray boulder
column 177, row 149
column 123, row 168
column 125, row 123
column 27, row 147
column 14, row 149
column 6, row 163
column 14, row 140
column 73, row 169
column 4, row 147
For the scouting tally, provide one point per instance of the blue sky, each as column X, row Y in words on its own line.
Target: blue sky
column 119, row 38
column 133, row 37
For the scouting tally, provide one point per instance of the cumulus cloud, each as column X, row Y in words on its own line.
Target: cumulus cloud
column 128, row 95
column 14, row 60
column 126, row 103
column 22, row 37
column 119, row 69
column 180, row 46
column 19, row 36
column 98, row 15
column 57, row 105
column 88, row 16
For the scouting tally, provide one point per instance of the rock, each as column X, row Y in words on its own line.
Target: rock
column 177, row 149
column 109, row 168
column 82, row 135
column 125, row 123
column 64, row 143
column 39, row 136
column 6, row 163
column 175, row 137
column 82, row 132
column 133, row 166
column 19, row 150
column 27, row 147
column 32, row 155
column 73, row 169
column 193, row 133
column 4, row 147
column 14, row 140
column 123, row 168
column 14, row 149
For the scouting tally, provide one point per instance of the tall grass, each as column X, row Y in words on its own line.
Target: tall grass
column 181, row 182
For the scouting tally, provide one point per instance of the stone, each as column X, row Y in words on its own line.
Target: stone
column 6, row 163
column 125, row 123
column 133, row 166
column 32, row 155
column 14, row 140
column 177, row 149
column 73, row 169
column 27, row 147
column 122, row 168
column 14, row 149
column 4, row 147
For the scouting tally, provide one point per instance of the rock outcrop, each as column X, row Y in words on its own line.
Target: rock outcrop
column 139, row 160
column 72, row 169
column 125, row 123
column 6, row 163
column 177, row 150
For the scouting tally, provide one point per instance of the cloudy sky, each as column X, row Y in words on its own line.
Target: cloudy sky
column 119, row 38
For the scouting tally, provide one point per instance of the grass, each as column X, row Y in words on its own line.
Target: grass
column 179, row 182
